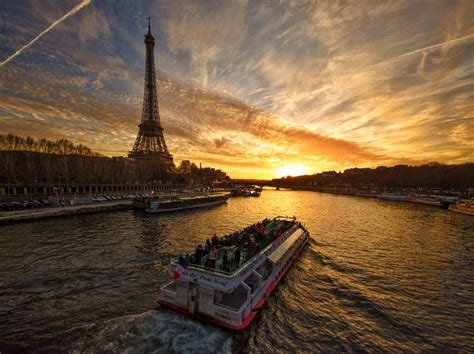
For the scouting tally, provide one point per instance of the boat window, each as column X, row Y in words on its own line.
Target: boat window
column 171, row 286
column 265, row 270
column 252, row 282
column 233, row 300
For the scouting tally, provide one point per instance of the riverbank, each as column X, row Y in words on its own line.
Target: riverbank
column 37, row 214
column 440, row 199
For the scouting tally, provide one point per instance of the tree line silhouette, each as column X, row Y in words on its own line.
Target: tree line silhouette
column 10, row 142
column 41, row 161
column 430, row 176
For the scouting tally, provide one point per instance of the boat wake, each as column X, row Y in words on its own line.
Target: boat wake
column 148, row 332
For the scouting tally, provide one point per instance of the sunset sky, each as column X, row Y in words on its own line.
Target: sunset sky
column 258, row 89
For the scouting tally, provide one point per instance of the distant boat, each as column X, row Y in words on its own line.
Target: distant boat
column 366, row 194
column 184, row 203
column 426, row 200
column 393, row 197
column 463, row 207
column 236, row 192
column 246, row 193
column 446, row 202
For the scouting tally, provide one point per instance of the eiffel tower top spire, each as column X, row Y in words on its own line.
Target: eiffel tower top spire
column 150, row 143
column 149, row 35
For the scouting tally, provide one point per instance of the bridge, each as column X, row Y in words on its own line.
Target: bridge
column 258, row 182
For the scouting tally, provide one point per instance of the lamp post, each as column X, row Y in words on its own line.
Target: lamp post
column 56, row 192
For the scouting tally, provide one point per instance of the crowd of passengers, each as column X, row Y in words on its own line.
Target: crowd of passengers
column 247, row 240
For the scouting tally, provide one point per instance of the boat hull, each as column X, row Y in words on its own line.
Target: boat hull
column 461, row 211
column 426, row 201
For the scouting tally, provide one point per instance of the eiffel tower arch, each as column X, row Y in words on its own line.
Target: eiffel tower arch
column 150, row 143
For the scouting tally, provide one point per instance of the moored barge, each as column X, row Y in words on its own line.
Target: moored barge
column 187, row 202
column 227, row 281
column 178, row 202
column 463, row 207
column 426, row 200
column 393, row 197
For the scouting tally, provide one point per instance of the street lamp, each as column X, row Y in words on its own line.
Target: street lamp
column 56, row 192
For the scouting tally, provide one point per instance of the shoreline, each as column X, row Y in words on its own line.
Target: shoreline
column 11, row 217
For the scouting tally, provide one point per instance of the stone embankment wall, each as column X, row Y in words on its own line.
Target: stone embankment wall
column 37, row 214
column 16, row 192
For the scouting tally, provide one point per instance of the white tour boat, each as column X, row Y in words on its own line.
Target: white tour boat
column 228, row 285
column 187, row 202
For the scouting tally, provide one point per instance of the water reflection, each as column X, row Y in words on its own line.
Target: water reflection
column 375, row 275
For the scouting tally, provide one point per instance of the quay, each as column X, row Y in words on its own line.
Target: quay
column 17, row 192
column 9, row 217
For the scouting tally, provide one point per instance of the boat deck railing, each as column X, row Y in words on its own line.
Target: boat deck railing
column 246, row 257
column 217, row 256
column 194, row 197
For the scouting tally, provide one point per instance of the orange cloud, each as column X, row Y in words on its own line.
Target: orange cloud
column 251, row 87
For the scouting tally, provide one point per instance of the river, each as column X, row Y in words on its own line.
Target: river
column 376, row 275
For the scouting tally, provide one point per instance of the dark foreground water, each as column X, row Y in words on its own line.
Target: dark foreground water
column 376, row 275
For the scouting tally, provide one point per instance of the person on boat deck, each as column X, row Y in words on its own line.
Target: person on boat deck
column 237, row 256
column 207, row 246
column 252, row 248
column 209, row 263
column 257, row 248
column 226, row 241
column 225, row 259
column 225, row 262
column 258, row 237
column 198, row 254
column 215, row 240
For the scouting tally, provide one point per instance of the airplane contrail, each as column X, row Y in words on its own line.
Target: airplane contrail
column 439, row 45
column 74, row 10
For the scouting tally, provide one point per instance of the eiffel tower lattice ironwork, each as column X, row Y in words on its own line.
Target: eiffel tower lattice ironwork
column 150, row 143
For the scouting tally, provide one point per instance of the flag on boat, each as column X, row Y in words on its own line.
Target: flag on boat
column 182, row 265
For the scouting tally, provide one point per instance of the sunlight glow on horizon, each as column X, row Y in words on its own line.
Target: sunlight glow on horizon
column 292, row 169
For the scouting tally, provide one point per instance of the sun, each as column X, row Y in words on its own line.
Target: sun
column 294, row 169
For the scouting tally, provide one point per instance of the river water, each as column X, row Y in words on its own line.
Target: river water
column 376, row 275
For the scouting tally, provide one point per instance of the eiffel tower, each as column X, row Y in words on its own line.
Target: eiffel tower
column 150, row 143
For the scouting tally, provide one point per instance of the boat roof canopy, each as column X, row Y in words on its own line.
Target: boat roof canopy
column 276, row 255
column 193, row 197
